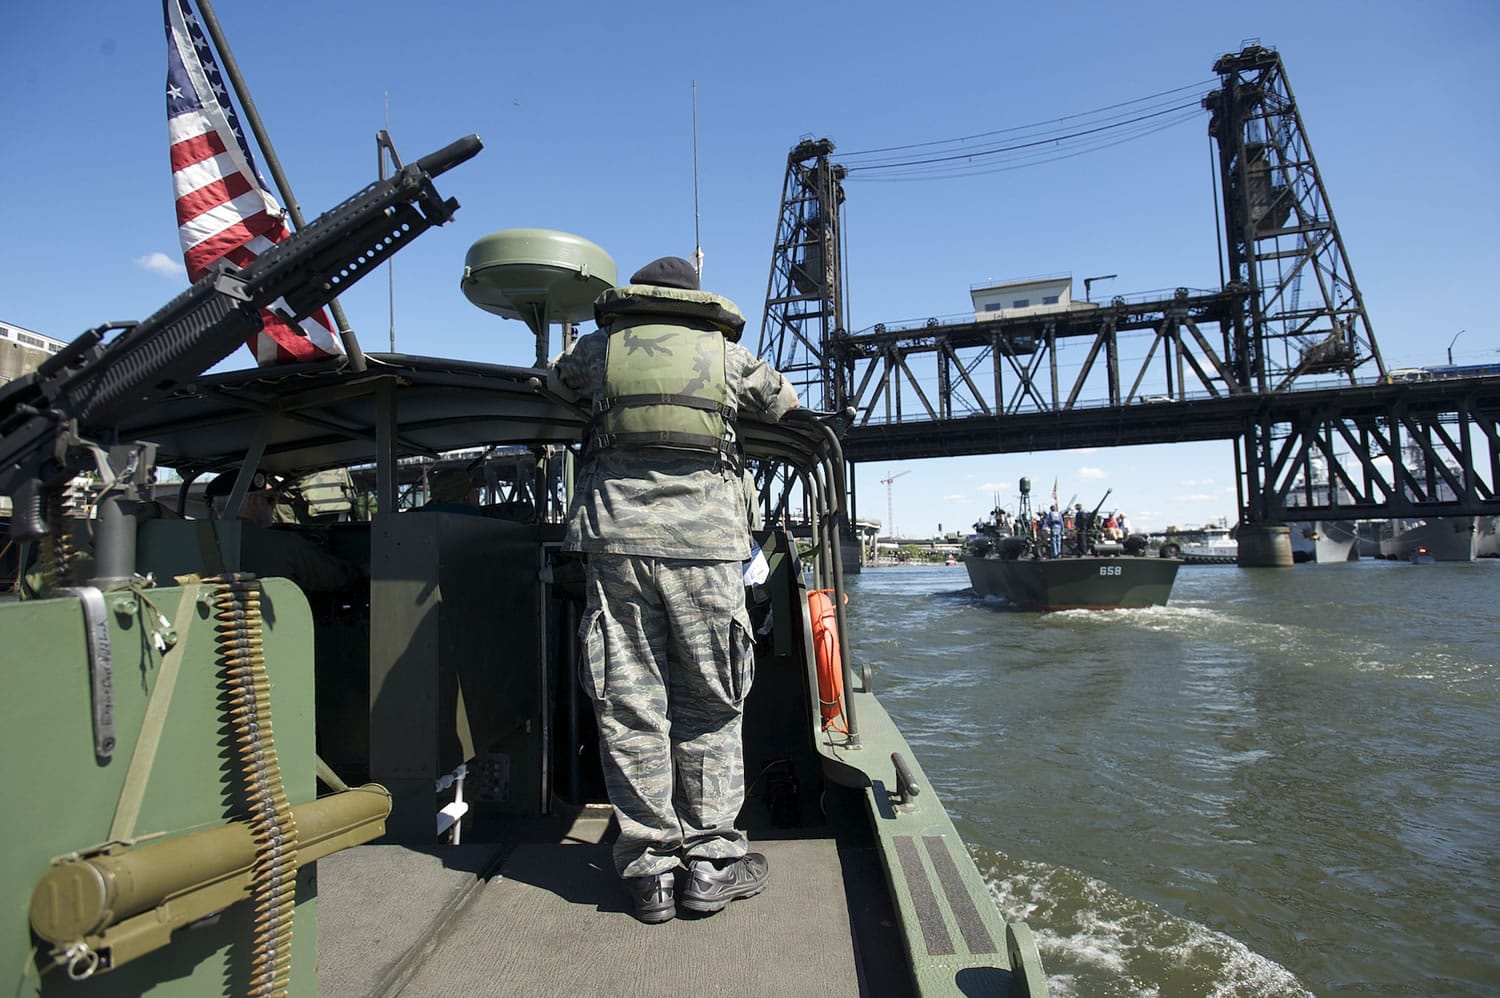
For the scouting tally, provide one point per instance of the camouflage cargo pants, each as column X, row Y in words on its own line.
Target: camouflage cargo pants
column 668, row 660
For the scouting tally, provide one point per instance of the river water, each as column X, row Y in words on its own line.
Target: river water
column 1285, row 782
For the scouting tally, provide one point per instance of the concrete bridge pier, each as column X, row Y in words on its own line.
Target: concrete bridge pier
column 1265, row 545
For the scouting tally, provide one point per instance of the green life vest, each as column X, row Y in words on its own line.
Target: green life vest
column 665, row 383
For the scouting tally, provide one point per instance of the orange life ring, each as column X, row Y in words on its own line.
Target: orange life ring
column 825, row 629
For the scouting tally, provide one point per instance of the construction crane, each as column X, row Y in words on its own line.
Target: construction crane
column 890, row 507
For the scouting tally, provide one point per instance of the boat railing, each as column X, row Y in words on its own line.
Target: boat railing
column 825, row 491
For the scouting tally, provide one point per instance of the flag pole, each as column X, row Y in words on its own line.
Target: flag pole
column 384, row 147
column 232, row 70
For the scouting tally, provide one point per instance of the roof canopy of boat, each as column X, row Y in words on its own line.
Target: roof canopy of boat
column 309, row 417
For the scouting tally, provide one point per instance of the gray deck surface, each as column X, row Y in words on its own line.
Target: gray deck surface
column 555, row 922
column 377, row 904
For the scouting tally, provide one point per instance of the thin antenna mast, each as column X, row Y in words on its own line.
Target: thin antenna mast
column 390, row 263
column 385, row 152
column 697, row 238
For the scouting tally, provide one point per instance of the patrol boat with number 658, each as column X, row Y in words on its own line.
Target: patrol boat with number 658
column 1016, row 562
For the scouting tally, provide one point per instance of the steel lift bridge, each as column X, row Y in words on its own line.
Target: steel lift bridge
column 1281, row 359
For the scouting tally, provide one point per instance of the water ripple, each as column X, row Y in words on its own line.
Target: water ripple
column 1282, row 782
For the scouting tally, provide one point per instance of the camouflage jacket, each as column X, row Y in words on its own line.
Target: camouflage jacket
column 665, row 504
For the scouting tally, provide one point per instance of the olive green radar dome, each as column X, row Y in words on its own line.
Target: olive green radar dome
column 539, row 276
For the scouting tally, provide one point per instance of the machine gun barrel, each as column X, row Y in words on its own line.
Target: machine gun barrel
column 49, row 418
column 437, row 163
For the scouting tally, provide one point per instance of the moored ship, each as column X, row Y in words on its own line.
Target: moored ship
column 1325, row 541
column 1213, row 544
column 1439, row 538
column 1330, row 540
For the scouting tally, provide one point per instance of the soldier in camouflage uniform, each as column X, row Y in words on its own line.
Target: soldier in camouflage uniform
column 659, row 510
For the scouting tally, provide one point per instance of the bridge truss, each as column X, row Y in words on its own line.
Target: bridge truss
column 1399, row 450
column 1403, row 449
column 1250, row 362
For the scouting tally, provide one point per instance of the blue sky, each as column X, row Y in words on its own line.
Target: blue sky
column 585, row 109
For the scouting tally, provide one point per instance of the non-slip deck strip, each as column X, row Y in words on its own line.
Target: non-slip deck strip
column 976, row 936
column 929, row 912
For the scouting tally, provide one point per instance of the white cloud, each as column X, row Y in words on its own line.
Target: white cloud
column 1200, row 497
column 995, row 487
column 956, row 499
column 1190, row 482
column 1092, row 473
column 161, row 263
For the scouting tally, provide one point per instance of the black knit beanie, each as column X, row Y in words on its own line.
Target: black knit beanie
column 668, row 272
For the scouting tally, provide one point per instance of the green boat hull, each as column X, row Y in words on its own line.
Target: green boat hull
column 1088, row 583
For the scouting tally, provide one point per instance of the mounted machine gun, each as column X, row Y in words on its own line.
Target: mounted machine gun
column 58, row 421
column 168, row 799
column 1086, row 528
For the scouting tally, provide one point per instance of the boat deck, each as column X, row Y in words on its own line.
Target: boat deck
column 442, row 921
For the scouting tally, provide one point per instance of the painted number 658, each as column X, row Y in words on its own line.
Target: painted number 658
column 1109, row 569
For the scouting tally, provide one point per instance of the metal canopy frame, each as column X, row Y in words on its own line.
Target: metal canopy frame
column 311, row 417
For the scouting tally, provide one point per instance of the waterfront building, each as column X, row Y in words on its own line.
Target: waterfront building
column 23, row 350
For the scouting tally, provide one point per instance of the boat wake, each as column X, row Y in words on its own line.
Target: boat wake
column 1173, row 617
column 1450, row 662
column 1096, row 941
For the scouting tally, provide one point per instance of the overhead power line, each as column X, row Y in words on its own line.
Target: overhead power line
column 1028, row 145
column 972, row 154
column 1036, row 124
column 1033, row 157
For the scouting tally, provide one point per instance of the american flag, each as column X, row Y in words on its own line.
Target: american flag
column 223, row 208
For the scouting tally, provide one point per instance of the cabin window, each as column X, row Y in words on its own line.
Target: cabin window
column 992, row 306
column 1049, row 299
column 1021, row 303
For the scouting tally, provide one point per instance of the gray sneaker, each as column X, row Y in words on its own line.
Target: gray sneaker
column 652, row 897
column 713, row 884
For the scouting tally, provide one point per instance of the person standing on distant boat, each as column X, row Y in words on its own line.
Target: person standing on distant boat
column 660, row 514
column 1054, row 523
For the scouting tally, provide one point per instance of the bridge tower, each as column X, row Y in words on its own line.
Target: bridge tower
column 1306, row 315
column 804, row 295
